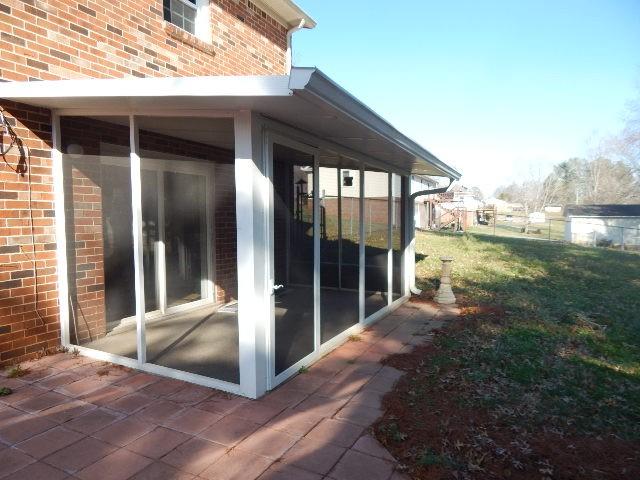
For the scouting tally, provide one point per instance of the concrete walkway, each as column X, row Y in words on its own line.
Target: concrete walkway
column 72, row 417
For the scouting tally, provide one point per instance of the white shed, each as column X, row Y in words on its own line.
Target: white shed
column 617, row 225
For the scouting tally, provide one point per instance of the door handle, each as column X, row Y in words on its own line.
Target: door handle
column 276, row 288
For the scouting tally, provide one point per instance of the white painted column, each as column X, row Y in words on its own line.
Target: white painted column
column 409, row 238
column 361, row 249
column 61, row 237
column 410, row 261
column 136, row 208
column 253, row 256
column 316, row 253
column 389, row 238
column 339, row 172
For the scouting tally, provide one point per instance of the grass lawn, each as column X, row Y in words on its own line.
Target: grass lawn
column 539, row 378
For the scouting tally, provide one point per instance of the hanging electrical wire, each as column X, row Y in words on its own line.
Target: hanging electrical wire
column 22, row 168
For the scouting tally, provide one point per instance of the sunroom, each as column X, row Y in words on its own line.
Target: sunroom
column 225, row 230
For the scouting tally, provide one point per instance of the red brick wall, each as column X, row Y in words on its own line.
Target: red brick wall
column 61, row 39
column 28, row 296
column 84, row 226
column 226, row 273
column 64, row 39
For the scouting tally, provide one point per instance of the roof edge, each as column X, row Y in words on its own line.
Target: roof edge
column 258, row 85
column 287, row 12
column 312, row 80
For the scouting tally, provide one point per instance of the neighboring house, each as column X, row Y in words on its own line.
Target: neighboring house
column 424, row 210
column 165, row 193
column 606, row 225
column 553, row 208
column 504, row 207
column 456, row 208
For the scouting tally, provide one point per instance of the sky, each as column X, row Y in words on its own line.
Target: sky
column 502, row 90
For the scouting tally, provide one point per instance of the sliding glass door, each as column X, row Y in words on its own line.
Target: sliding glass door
column 336, row 236
column 175, row 224
column 376, row 240
column 339, row 197
column 294, row 336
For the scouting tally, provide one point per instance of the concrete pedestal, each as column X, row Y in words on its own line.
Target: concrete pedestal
column 445, row 295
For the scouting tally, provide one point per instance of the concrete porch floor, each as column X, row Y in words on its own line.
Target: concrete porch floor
column 73, row 417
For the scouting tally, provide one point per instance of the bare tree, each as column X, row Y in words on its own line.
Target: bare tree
column 625, row 146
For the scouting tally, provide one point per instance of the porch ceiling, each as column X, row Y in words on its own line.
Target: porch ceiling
column 306, row 99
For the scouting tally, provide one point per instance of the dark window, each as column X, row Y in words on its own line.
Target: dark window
column 182, row 13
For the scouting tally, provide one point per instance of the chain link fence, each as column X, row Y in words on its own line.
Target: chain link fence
column 617, row 233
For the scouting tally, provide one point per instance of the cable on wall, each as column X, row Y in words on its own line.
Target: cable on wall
column 22, row 168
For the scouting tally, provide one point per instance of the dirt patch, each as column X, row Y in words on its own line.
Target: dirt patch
column 436, row 432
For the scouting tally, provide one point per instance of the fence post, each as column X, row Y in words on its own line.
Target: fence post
column 549, row 229
column 622, row 238
column 594, row 239
column 495, row 219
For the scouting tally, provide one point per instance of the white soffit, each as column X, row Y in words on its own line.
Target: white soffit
column 287, row 12
column 307, row 100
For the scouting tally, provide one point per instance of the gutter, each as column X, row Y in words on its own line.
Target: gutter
column 431, row 191
column 290, row 32
column 412, row 200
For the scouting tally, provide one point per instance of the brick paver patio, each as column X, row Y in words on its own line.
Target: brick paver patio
column 73, row 417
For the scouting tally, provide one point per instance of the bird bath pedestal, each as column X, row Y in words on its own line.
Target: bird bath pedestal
column 445, row 295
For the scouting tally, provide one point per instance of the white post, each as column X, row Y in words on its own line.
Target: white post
column 252, row 255
column 411, row 243
column 338, row 171
column 61, row 237
column 408, row 257
column 136, row 208
column 389, row 238
column 316, row 253
column 361, row 250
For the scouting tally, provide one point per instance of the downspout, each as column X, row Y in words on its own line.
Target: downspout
column 290, row 33
column 412, row 203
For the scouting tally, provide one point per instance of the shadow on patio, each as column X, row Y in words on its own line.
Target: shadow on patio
column 75, row 416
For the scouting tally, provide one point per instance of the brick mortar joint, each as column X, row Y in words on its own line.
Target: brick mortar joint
column 187, row 38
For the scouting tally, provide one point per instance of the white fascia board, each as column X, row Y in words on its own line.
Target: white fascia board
column 313, row 81
column 215, row 86
column 287, row 12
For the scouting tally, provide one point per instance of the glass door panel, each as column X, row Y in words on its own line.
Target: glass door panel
column 100, row 262
column 376, row 239
column 397, row 235
column 189, row 245
column 150, row 239
column 293, row 248
column 339, row 250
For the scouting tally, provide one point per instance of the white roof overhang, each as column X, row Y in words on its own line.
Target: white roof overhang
column 306, row 99
column 287, row 12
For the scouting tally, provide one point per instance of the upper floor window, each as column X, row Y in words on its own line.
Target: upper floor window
column 189, row 15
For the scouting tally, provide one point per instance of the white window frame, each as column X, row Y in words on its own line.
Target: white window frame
column 202, row 22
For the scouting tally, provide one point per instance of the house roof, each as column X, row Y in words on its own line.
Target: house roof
column 287, row 12
column 306, row 99
column 602, row 211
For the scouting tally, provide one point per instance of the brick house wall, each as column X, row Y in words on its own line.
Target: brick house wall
column 62, row 39
column 25, row 330
column 65, row 39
